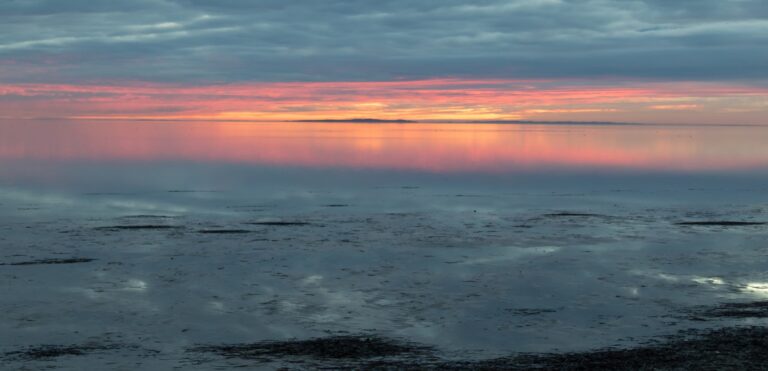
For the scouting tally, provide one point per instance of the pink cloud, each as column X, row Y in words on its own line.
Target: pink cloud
column 420, row 99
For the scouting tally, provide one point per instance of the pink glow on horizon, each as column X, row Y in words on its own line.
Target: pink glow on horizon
column 440, row 99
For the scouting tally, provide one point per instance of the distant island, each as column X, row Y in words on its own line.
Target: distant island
column 515, row 122
column 361, row 120
column 534, row 122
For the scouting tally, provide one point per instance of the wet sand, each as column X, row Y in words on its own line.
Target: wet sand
column 572, row 284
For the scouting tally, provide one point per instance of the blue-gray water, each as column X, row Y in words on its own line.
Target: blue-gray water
column 451, row 235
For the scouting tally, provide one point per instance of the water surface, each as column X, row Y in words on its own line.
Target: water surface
column 480, row 239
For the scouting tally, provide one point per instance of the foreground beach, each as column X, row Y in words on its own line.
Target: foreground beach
column 457, row 281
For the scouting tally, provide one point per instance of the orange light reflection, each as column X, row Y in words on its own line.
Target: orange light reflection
column 425, row 147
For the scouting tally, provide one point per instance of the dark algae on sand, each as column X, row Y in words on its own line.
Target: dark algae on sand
column 735, row 348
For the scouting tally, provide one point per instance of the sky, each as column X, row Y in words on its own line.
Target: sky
column 657, row 61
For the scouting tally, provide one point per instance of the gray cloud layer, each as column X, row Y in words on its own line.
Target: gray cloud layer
column 311, row 40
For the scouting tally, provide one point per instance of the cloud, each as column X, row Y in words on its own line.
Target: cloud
column 437, row 99
column 203, row 41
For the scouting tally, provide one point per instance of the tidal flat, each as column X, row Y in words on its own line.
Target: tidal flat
column 463, row 283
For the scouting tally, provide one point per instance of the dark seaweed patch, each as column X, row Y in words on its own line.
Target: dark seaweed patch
column 223, row 231
column 741, row 348
column 336, row 347
column 724, row 223
column 146, row 216
column 44, row 352
column 191, row 191
column 52, row 261
column 530, row 311
column 755, row 309
column 568, row 214
column 136, row 227
column 729, row 348
column 279, row 223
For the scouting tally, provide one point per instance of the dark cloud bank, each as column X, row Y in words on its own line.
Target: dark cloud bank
column 306, row 40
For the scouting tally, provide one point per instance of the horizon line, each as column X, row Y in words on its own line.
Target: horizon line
column 377, row 121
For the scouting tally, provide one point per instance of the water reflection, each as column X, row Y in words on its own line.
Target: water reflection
column 489, row 148
column 561, row 238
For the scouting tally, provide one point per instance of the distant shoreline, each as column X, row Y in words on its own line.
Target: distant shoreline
column 371, row 121
column 382, row 121
column 517, row 122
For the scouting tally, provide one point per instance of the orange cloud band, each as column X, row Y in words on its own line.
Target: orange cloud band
column 441, row 99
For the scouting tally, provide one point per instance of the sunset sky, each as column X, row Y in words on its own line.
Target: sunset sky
column 656, row 61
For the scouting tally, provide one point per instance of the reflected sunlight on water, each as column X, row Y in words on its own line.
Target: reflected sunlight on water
column 423, row 147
